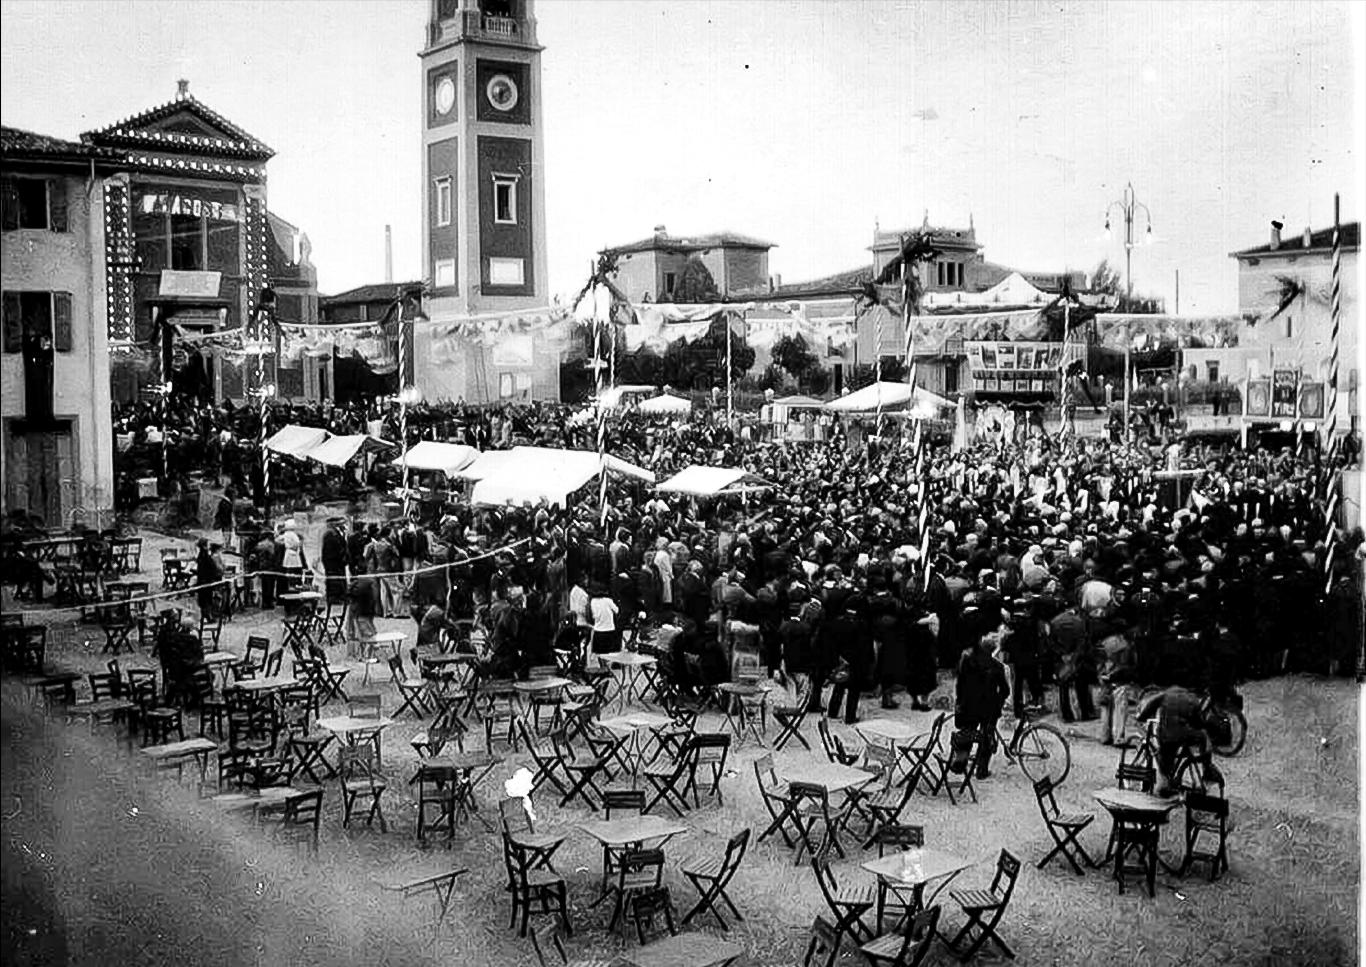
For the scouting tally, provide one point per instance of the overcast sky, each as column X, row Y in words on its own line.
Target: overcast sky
column 799, row 122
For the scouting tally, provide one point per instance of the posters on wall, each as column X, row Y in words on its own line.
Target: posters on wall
column 1285, row 396
column 1013, row 367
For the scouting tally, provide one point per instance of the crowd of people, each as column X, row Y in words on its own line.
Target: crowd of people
column 1081, row 565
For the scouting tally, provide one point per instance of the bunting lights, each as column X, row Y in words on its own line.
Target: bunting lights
column 120, row 261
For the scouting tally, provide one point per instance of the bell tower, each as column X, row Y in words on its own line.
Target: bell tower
column 483, row 241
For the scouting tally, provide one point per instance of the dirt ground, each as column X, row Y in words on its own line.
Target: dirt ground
column 104, row 863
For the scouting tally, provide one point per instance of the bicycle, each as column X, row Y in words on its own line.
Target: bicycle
column 1224, row 712
column 1038, row 748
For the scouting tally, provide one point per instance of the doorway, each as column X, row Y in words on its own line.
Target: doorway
column 41, row 472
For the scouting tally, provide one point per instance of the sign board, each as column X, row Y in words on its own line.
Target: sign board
column 190, row 285
column 1257, row 401
column 1285, row 385
column 514, row 351
column 1204, row 423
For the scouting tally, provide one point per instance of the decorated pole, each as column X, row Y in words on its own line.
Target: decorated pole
column 405, row 394
column 877, row 370
column 265, row 308
column 602, row 413
column 1066, row 388
column 730, row 379
column 1336, row 309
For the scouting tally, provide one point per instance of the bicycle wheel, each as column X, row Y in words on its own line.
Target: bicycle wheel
column 1237, row 724
column 1192, row 775
column 1043, row 751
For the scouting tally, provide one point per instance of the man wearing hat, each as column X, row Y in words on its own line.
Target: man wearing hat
column 334, row 558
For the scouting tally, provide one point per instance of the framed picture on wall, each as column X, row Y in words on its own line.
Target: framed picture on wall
column 505, row 386
column 1258, row 400
column 989, row 356
column 1024, row 357
column 1311, row 401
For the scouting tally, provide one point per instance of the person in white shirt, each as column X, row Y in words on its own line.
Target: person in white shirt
column 606, row 637
column 664, row 569
column 294, row 561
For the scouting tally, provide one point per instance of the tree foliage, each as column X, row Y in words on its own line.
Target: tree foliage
column 793, row 355
column 1107, row 279
column 694, row 284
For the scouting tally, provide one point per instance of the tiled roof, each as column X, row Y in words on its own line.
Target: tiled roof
column 131, row 132
column 381, row 292
column 1294, row 244
column 691, row 243
column 841, row 283
column 17, row 143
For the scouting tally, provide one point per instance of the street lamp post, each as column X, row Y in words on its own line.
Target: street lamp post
column 1129, row 205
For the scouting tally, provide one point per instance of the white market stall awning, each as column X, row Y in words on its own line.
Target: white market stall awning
column 665, row 404
column 294, row 440
column 616, row 396
column 800, row 402
column 535, row 474
column 712, row 481
column 429, row 455
column 885, row 396
column 338, row 451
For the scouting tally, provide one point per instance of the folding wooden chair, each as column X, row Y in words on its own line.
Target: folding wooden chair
column 710, row 750
column 672, row 778
column 884, row 807
column 1063, row 827
column 848, row 904
column 947, row 776
column 775, row 797
column 811, row 805
column 546, row 758
column 548, row 938
column 790, row 719
column 446, row 727
column 581, row 770
column 920, row 757
column 984, row 909
column 258, row 649
column 638, row 871
column 711, row 876
column 411, row 691
column 618, row 801
column 835, row 750
column 300, row 818
column 1207, row 815
column 655, row 908
column 533, row 886
column 361, row 777
column 907, row 949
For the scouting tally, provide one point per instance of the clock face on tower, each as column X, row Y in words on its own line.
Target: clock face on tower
column 502, row 92
column 445, row 95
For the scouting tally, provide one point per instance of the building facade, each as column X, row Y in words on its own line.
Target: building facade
column 1286, row 286
column 649, row 270
column 56, row 438
column 483, row 190
column 189, row 247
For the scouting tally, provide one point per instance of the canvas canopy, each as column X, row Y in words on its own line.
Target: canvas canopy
column 338, row 451
column 886, row 395
column 616, row 396
column 538, row 474
column 800, row 402
column 711, row 481
column 294, row 440
column 666, row 403
column 449, row 458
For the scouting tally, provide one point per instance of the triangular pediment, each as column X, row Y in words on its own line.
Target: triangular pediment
column 183, row 125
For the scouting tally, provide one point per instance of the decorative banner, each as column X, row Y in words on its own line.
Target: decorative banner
column 1026, row 357
column 514, row 351
column 185, row 203
column 1284, row 393
column 1257, row 401
column 1311, row 401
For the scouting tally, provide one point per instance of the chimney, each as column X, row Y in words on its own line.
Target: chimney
column 775, row 282
column 1308, row 237
column 182, row 89
column 660, row 231
column 388, row 255
column 1276, row 234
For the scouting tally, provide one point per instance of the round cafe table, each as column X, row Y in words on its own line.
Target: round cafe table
column 392, row 638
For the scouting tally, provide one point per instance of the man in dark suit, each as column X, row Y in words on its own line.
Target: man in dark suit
column 335, row 558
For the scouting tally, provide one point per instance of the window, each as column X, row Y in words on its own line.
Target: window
column 669, row 279
column 1213, row 368
column 1289, row 328
column 939, row 268
column 37, row 316
column 505, row 199
column 443, row 201
column 951, row 376
column 506, row 272
column 36, row 203
column 444, row 276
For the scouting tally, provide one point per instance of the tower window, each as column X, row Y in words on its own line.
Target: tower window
column 444, row 274
column 505, row 199
column 443, row 201
column 939, row 270
column 669, row 280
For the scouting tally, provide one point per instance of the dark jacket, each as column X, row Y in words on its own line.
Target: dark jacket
column 334, row 553
column 982, row 686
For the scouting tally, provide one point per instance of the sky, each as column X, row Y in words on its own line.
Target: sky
column 798, row 121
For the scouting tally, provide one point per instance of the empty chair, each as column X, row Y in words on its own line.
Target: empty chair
column 638, row 871
column 361, row 780
column 534, row 890
column 711, row 875
column 907, row 949
column 985, row 908
column 1063, row 827
column 1206, row 816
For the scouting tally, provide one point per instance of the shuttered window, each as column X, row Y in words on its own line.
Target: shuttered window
column 33, row 203
column 43, row 314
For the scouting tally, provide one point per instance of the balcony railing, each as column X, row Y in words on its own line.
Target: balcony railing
column 473, row 25
column 504, row 27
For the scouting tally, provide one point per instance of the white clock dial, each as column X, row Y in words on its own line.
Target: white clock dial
column 445, row 95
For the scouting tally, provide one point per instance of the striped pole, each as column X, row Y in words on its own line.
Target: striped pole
column 877, row 368
column 403, row 404
column 602, row 420
column 1336, row 306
